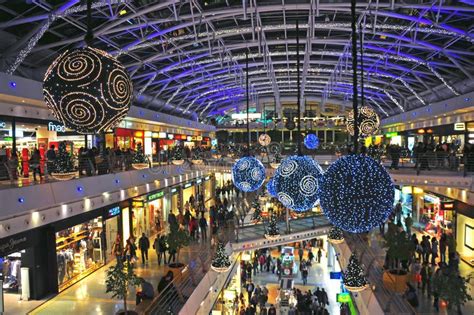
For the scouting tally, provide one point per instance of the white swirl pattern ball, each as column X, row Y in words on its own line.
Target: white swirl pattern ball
column 248, row 174
column 296, row 182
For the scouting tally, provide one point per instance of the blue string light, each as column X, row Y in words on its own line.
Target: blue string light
column 311, row 141
column 248, row 174
column 356, row 193
column 271, row 188
column 296, row 182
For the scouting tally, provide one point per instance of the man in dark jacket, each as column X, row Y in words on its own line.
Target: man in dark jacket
column 144, row 245
column 203, row 226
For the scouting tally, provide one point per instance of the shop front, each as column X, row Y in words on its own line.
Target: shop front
column 128, row 138
column 176, row 201
column 465, row 232
column 189, row 192
column 157, row 213
column 24, row 266
column 208, row 191
column 79, row 251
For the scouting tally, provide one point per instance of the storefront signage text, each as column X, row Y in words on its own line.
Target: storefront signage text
column 198, row 181
column 137, row 204
column 155, row 196
column 188, row 185
column 56, row 127
column 391, row 134
column 459, row 126
column 207, row 178
column 447, row 205
column 113, row 211
column 174, row 190
column 12, row 244
column 343, row 297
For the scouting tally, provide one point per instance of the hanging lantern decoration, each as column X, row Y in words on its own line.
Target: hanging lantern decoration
column 357, row 193
column 369, row 121
column 335, row 236
column 311, row 141
column 264, row 140
column 248, row 174
column 273, row 232
column 221, row 261
column 296, row 182
column 271, row 188
column 354, row 277
column 88, row 90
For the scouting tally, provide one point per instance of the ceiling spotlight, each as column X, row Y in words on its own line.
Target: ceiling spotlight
column 123, row 12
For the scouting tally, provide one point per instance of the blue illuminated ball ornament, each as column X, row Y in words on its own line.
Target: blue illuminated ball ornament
column 248, row 174
column 356, row 193
column 311, row 141
column 296, row 182
column 271, row 188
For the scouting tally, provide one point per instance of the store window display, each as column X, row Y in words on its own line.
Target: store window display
column 11, row 272
column 78, row 252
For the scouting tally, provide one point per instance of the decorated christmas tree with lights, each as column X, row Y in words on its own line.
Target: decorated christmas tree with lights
column 272, row 229
column 139, row 156
column 335, row 235
column 221, row 261
column 177, row 153
column 63, row 162
column 354, row 276
column 257, row 213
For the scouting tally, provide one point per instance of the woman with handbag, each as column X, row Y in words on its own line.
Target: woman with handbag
column 35, row 164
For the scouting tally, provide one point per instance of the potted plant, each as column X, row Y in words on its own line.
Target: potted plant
column 450, row 287
column 177, row 239
column 399, row 250
column 177, row 156
column 139, row 159
column 120, row 278
column 62, row 166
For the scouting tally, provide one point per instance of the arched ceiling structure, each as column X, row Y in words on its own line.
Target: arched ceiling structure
column 188, row 57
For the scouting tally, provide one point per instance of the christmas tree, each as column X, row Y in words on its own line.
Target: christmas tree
column 257, row 213
column 335, row 235
column 139, row 157
column 63, row 162
column 273, row 226
column 354, row 277
column 177, row 153
column 221, row 261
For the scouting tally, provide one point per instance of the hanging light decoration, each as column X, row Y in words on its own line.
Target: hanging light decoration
column 248, row 173
column 271, row 188
column 369, row 121
column 264, row 140
column 354, row 277
column 357, row 193
column 296, row 179
column 296, row 182
column 335, row 235
column 87, row 89
column 311, row 141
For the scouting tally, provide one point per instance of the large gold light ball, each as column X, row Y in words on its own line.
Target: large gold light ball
column 369, row 121
column 88, row 90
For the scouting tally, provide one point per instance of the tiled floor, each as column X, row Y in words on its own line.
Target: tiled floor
column 89, row 297
column 318, row 277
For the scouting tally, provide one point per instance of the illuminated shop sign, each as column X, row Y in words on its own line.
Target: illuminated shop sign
column 343, row 297
column 52, row 126
column 155, row 196
column 198, row 181
column 137, row 203
column 207, row 178
column 188, row 185
column 391, row 134
column 459, row 126
column 447, row 205
column 113, row 211
column 174, row 190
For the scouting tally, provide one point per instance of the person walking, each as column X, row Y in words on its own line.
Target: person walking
column 35, row 164
column 320, row 253
column 443, row 243
column 324, row 297
column 426, row 278
column 304, row 274
column 203, row 226
column 434, row 250
column 399, row 211
column 144, row 245
column 51, row 157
